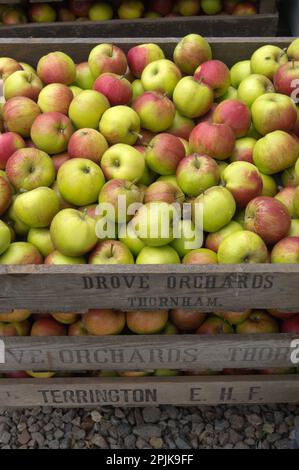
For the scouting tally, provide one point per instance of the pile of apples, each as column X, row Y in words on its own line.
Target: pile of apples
column 157, row 133
column 90, row 10
column 173, row 322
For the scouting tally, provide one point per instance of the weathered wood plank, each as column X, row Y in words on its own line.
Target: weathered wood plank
column 206, row 288
column 149, row 391
column 151, row 352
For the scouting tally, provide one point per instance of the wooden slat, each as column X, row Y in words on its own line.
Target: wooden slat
column 148, row 391
column 151, row 352
column 206, row 288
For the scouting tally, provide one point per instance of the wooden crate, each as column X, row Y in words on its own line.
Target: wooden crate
column 265, row 24
column 208, row 288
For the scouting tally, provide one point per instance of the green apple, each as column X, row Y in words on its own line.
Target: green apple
column 273, row 112
column 100, row 11
column 230, row 94
column 200, row 256
column 187, row 7
column 293, row 50
column 275, row 152
column 190, row 52
column 267, row 59
column 27, row 67
column 187, row 238
column 294, row 229
column 111, row 252
column 120, row 195
column 18, row 226
column 120, row 125
column 239, row 72
column 5, row 237
column 121, row 161
column 41, row 239
column 130, row 9
column 158, row 255
column 211, row 7
column 22, row 83
column 80, row 181
column 107, row 58
column 156, row 111
column 254, row 86
column 127, row 235
column 84, row 78
column 196, row 173
column 213, row 209
column 242, row 247
column 162, row 76
column 289, row 177
column 75, row 90
column 153, row 223
column 192, row 98
column 166, row 373
column 222, row 166
column 55, row 97
column 169, row 179
column 37, row 208
column 87, row 108
column 269, row 186
column 58, row 258
column 243, row 151
column 137, row 88
column 21, row 253
column 214, row 240
column 73, row 233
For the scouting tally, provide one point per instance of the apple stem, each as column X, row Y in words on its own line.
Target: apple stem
column 140, row 136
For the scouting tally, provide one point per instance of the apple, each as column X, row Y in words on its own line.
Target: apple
column 17, row 315
column 290, row 325
column 75, row 90
column 269, row 185
column 137, row 89
column 80, row 8
column 111, row 252
column 142, row 55
column 121, row 161
column 281, row 315
column 196, row 173
column 55, row 97
column 120, row 194
column 275, row 152
column 65, row 318
column 286, row 251
column 13, row 16
column 293, row 50
column 5, row 238
column 258, row 322
column 163, row 191
column 286, row 78
column 77, row 329
column 287, row 197
column 294, row 229
column 51, row 132
column 38, row 207
column 187, row 7
column 42, row 13
column 107, row 58
column 192, row 98
column 162, row 76
column 56, row 67
column 187, row 238
column 130, row 9
column 243, row 180
column 19, row 113
column 254, row 86
column 47, row 327
column 273, row 111
column 65, row 224
column 239, row 72
column 267, row 59
column 181, row 126
column 120, row 125
column 218, row 208
column 234, row 318
column 269, row 218
column 6, row 193
column 243, row 151
column 187, row 320
column 8, row 66
column 211, row 7
column 21, row 253
column 158, row 255
column 15, row 328
column 16, row 374
column 87, row 143
column 84, row 78
column 128, row 236
column 155, row 110
column 214, row 325
column 214, row 240
column 230, row 94
column 214, row 140
column 147, row 323
column 27, row 67
column 215, row 74
column 116, row 88
column 18, row 227
column 22, row 83
column 41, row 239
column 164, row 153
column 242, row 247
column 235, row 114
column 163, row 7
column 80, row 181
column 296, row 128
column 104, row 322
column 100, row 11
column 30, row 168
column 190, row 52
column 64, row 14
column 58, row 258
column 87, row 108
column 200, row 256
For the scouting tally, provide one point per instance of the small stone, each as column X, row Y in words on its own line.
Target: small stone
column 151, row 415
column 123, row 430
column 38, row 438
column 24, row 437
column 21, row 427
column 96, row 416
column 54, row 444
column 119, row 413
column 172, row 411
column 181, row 444
column 156, row 442
column 141, row 443
column 58, row 434
column 254, row 419
column 221, row 425
column 268, row 428
column 67, row 417
column 100, row 441
column 78, row 433
column 147, row 431
column 237, row 422
column 130, row 441
column 5, row 437
column 241, row 445
column 283, row 444
column 234, row 437
column 48, row 427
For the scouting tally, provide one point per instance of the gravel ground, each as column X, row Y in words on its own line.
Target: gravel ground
column 167, row 427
